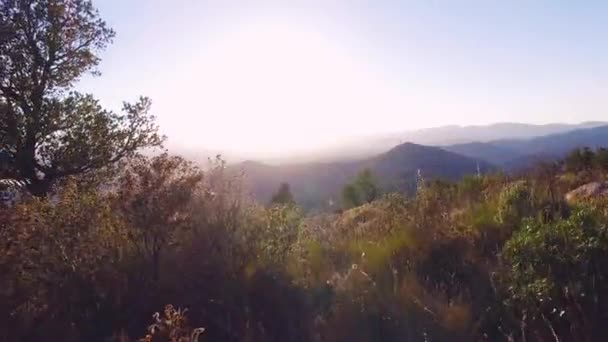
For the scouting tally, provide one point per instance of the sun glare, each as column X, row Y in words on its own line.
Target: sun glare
column 275, row 88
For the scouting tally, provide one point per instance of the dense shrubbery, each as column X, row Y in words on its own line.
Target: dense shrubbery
column 99, row 248
column 488, row 258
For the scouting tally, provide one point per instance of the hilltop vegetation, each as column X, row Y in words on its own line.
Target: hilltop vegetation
column 317, row 185
column 487, row 258
column 426, row 246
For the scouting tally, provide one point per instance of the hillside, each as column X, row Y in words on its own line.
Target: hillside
column 559, row 144
column 513, row 154
column 453, row 138
column 498, row 131
column 490, row 152
column 316, row 184
column 451, row 135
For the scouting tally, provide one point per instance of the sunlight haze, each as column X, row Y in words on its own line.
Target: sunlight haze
column 303, row 170
column 277, row 77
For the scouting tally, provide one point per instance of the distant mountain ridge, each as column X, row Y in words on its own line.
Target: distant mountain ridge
column 491, row 152
column 315, row 182
column 367, row 146
column 452, row 135
column 512, row 154
column 395, row 170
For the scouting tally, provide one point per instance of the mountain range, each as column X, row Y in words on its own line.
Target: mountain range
column 315, row 184
column 359, row 147
column 318, row 184
column 514, row 154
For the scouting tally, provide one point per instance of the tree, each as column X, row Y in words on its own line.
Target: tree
column 580, row 159
column 366, row 183
column 363, row 189
column 283, row 195
column 601, row 158
column 154, row 199
column 50, row 131
column 350, row 196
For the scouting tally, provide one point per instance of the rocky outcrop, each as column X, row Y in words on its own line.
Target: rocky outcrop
column 588, row 191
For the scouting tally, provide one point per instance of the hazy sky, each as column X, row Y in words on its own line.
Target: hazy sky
column 285, row 75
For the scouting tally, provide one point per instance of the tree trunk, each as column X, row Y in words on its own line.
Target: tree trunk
column 26, row 170
column 550, row 325
column 522, row 327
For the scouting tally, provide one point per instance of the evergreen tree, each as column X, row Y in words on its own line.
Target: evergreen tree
column 363, row 189
column 283, row 195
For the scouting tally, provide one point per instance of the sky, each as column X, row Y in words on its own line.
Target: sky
column 279, row 77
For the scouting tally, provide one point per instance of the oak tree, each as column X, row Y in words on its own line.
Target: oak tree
column 49, row 130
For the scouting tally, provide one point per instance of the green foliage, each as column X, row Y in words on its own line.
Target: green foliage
column 153, row 200
column 363, row 189
column 277, row 231
column 558, row 269
column 60, row 261
column 470, row 186
column 585, row 161
column 283, row 195
column 49, row 131
column 489, row 258
column 480, row 259
column 350, row 196
column 580, row 159
column 515, row 203
column 601, row 159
